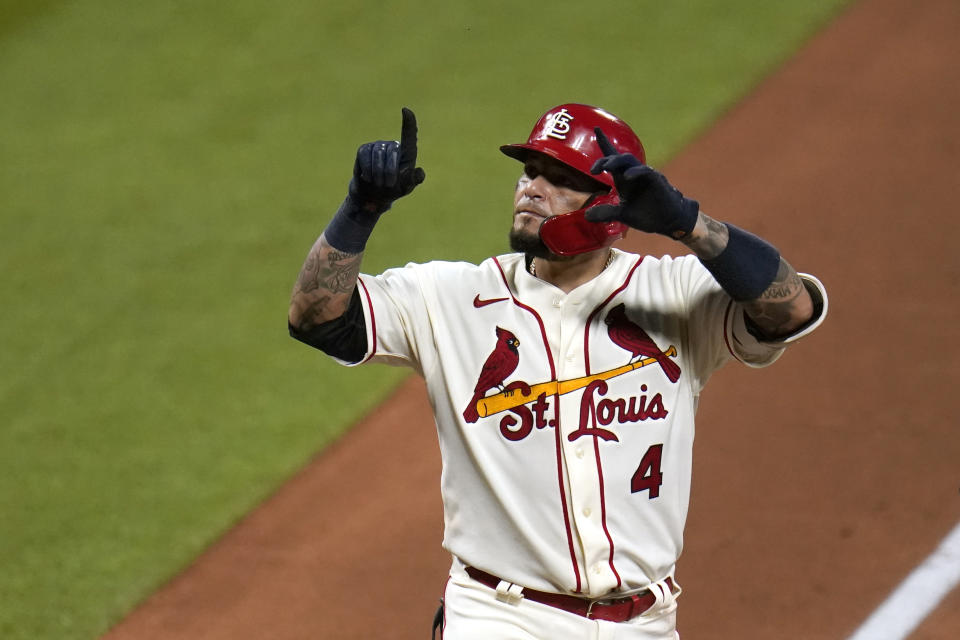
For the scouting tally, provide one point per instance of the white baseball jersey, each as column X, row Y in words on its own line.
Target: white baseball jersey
column 565, row 421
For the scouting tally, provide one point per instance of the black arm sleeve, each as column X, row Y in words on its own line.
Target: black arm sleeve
column 344, row 337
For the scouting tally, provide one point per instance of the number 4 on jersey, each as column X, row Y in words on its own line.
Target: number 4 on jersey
column 648, row 477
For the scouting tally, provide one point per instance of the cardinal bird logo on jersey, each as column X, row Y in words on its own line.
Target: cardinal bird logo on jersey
column 499, row 365
column 630, row 336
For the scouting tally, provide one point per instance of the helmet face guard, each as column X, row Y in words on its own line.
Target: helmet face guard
column 571, row 233
column 566, row 134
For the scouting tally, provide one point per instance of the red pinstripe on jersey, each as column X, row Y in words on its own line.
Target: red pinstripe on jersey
column 727, row 330
column 373, row 320
column 556, row 430
column 596, row 440
column 593, row 314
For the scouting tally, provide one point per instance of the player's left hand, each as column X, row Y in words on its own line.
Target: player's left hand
column 648, row 202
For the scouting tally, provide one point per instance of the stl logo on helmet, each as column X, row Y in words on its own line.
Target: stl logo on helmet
column 560, row 125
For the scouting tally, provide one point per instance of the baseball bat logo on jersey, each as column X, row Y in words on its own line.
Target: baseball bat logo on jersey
column 595, row 410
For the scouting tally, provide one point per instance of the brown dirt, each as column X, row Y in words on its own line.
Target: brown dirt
column 818, row 484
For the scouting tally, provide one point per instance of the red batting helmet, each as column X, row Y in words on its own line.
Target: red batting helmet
column 566, row 133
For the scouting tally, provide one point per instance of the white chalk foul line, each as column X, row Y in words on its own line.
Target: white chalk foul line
column 917, row 596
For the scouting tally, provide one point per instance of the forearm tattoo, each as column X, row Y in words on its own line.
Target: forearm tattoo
column 325, row 283
column 776, row 310
column 329, row 269
column 786, row 286
column 710, row 244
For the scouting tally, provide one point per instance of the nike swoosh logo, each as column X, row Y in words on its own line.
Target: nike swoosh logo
column 477, row 302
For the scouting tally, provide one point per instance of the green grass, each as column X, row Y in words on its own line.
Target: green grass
column 165, row 166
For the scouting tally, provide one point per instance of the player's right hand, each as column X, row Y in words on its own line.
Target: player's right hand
column 386, row 169
column 648, row 202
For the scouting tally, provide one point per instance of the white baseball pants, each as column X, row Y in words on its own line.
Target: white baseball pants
column 472, row 611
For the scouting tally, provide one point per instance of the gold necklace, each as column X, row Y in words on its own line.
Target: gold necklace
column 533, row 267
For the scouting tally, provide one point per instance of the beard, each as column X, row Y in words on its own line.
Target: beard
column 530, row 244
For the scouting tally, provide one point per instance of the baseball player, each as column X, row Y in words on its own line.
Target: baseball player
column 564, row 376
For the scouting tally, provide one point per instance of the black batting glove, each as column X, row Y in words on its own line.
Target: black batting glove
column 648, row 202
column 386, row 170
column 383, row 171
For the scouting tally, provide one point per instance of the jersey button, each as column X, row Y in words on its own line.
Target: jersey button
column 587, row 511
column 579, row 452
column 558, row 301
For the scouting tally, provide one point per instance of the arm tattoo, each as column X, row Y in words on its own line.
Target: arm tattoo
column 307, row 281
column 325, row 284
column 776, row 311
column 336, row 272
column 787, row 284
column 710, row 244
column 341, row 271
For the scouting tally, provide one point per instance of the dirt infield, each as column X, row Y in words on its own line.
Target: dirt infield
column 847, row 159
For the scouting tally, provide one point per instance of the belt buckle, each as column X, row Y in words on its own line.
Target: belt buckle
column 592, row 603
